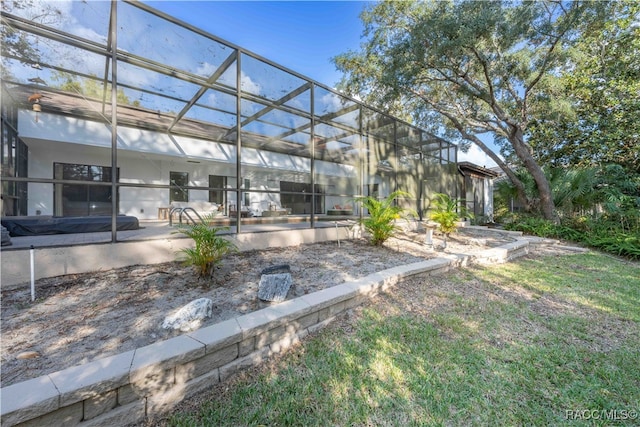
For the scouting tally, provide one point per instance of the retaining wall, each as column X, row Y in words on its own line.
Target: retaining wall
column 128, row 387
column 57, row 261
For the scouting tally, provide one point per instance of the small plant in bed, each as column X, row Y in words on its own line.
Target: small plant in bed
column 447, row 212
column 381, row 222
column 209, row 249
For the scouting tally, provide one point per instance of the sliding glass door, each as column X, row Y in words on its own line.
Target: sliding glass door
column 81, row 199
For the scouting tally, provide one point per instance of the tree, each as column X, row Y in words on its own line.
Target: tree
column 19, row 44
column 477, row 68
column 90, row 87
column 603, row 88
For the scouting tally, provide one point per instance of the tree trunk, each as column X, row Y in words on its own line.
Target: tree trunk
column 522, row 195
column 547, row 205
column 516, row 138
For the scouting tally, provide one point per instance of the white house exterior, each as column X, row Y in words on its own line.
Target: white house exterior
column 118, row 99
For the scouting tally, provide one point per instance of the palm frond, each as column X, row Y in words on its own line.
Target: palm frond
column 380, row 223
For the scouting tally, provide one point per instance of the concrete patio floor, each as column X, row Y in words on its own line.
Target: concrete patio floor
column 153, row 229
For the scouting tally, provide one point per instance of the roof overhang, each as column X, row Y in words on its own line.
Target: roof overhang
column 468, row 168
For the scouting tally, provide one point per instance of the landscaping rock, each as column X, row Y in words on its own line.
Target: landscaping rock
column 6, row 239
column 274, row 287
column 281, row 268
column 28, row 355
column 190, row 316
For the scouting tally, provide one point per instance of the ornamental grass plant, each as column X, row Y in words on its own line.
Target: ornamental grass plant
column 447, row 213
column 210, row 248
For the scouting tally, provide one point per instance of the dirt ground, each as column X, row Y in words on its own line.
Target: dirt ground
column 83, row 317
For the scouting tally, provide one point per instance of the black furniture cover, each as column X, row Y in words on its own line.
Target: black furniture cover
column 39, row 225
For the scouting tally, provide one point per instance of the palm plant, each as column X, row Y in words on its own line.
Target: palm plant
column 447, row 212
column 209, row 247
column 574, row 190
column 381, row 222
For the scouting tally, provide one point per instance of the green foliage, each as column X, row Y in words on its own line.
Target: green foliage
column 620, row 197
column 209, row 248
column 601, row 233
column 602, row 89
column 480, row 220
column 505, row 193
column 606, row 195
column 381, row 222
column 573, row 188
column 534, row 226
column 620, row 243
column 447, row 212
column 470, row 68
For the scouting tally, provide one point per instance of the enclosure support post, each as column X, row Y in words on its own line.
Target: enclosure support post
column 114, row 123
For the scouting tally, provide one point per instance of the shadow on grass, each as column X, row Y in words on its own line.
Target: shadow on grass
column 528, row 343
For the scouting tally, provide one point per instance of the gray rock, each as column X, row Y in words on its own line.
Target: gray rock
column 274, row 287
column 190, row 316
column 6, row 239
column 282, row 268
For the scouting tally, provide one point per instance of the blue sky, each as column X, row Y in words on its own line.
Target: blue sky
column 300, row 35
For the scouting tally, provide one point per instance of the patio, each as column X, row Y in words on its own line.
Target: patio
column 160, row 229
column 191, row 120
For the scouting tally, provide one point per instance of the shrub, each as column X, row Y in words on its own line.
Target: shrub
column 447, row 212
column 535, row 226
column 620, row 243
column 380, row 223
column 606, row 235
column 209, row 247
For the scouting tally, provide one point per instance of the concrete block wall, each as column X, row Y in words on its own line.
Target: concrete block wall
column 56, row 261
column 151, row 380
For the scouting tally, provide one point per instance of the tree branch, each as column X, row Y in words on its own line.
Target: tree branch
column 547, row 58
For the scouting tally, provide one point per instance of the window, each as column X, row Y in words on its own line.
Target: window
column 79, row 199
column 14, row 154
column 245, row 195
column 300, row 203
column 218, row 195
column 178, row 182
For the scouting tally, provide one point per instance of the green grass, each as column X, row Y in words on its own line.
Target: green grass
column 516, row 344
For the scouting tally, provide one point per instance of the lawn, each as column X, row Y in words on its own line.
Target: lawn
column 541, row 341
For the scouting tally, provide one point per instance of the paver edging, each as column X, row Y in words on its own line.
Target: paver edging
column 163, row 358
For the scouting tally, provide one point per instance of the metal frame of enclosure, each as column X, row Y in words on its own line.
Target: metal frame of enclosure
column 114, row 108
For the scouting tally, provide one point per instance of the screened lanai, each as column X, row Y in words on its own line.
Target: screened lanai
column 117, row 111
